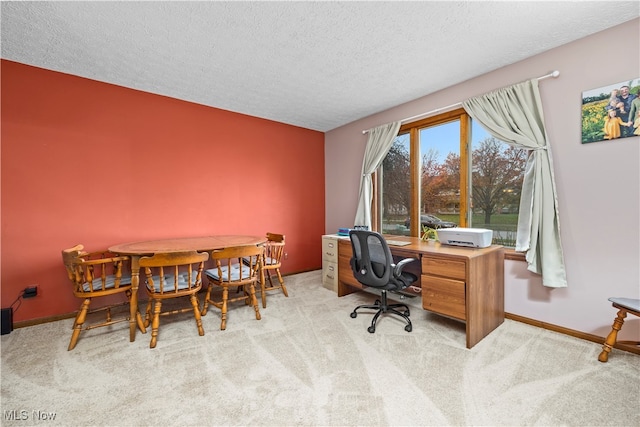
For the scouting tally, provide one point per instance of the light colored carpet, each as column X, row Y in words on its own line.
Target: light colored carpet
column 308, row 363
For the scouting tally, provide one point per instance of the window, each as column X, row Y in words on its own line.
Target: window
column 447, row 171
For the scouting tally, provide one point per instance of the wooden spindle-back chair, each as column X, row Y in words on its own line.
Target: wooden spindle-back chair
column 95, row 275
column 271, row 263
column 172, row 275
column 230, row 271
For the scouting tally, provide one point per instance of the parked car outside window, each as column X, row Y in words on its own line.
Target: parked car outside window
column 431, row 221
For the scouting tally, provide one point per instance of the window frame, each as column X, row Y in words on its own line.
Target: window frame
column 465, row 174
column 413, row 129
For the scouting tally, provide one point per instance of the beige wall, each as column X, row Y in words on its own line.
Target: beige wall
column 598, row 184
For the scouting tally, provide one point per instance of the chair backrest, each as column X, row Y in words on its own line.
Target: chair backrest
column 174, row 273
column 95, row 272
column 372, row 260
column 70, row 258
column 230, row 267
column 274, row 237
column 273, row 250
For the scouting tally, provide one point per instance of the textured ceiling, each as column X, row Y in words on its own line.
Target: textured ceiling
column 317, row 65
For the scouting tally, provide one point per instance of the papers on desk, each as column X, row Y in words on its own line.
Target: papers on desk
column 398, row 243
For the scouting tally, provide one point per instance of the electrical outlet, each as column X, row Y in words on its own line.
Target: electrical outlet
column 286, row 255
column 30, row 292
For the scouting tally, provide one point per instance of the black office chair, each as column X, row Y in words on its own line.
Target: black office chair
column 372, row 265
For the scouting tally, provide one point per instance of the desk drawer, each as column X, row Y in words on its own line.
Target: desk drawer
column 330, row 275
column 444, row 267
column 330, row 249
column 444, row 296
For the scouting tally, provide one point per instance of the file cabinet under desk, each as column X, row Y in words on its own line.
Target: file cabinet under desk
column 330, row 262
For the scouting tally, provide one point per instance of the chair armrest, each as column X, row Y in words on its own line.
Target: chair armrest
column 85, row 260
column 397, row 268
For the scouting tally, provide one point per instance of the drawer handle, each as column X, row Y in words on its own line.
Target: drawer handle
column 330, row 245
column 331, row 267
column 330, row 276
column 329, row 253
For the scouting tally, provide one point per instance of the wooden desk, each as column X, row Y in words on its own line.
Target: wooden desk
column 463, row 283
column 201, row 244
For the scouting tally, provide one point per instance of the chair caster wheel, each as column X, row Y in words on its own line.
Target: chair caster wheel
column 408, row 328
column 371, row 329
column 353, row 315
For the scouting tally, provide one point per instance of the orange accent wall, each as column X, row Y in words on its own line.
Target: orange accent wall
column 98, row 164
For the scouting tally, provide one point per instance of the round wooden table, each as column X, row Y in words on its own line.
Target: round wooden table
column 149, row 247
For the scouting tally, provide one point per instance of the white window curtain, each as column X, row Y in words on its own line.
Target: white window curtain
column 378, row 145
column 514, row 115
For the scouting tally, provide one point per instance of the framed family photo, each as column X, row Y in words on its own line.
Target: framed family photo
column 611, row 112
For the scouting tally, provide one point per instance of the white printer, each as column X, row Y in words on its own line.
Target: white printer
column 469, row 237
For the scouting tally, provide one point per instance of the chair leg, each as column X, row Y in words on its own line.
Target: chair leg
column 140, row 322
column 372, row 328
column 391, row 307
column 155, row 324
column 374, row 306
column 383, row 307
column 205, row 304
column 225, row 297
column 408, row 327
column 613, row 335
column 254, row 300
column 196, row 313
column 78, row 322
column 264, row 276
column 263, row 293
column 247, row 295
column 282, row 286
column 147, row 313
column 269, row 278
